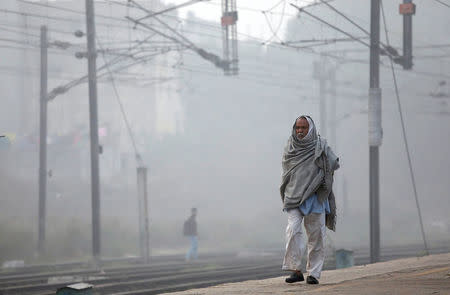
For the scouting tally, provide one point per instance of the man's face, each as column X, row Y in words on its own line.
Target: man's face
column 301, row 128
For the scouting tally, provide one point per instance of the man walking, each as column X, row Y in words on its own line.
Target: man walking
column 190, row 230
column 306, row 192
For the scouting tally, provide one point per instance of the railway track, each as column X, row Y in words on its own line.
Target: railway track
column 172, row 275
column 165, row 274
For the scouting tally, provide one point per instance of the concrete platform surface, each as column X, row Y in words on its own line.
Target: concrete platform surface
column 417, row 275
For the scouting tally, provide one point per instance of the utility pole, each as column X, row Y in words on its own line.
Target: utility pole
column 93, row 123
column 333, row 120
column 144, row 236
column 229, row 36
column 43, row 142
column 321, row 75
column 375, row 130
column 408, row 9
column 323, row 106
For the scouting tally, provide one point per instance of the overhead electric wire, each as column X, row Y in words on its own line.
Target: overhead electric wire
column 386, row 47
column 315, row 3
column 142, row 49
column 122, row 110
column 445, row 4
column 442, row 56
column 71, row 10
column 274, row 45
column 354, row 23
column 273, row 7
column 330, row 25
column 433, row 46
column 323, row 43
column 310, row 51
column 415, row 72
column 405, row 140
column 255, row 38
column 275, row 32
column 189, row 42
column 344, row 16
column 19, row 32
column 37, row 28
column 55, row 18
column 244, row 8
column 57, row 75
column 394, row 32
column 64, row 88
column 187, row 20
column 158, row 32
column 213, row 58
column 14, row 47
column 79, row 45
column 67, row 45
column 259, row 10
column 36, row 50
column 36, row 47
column 216, row 27
column 315, row 43
column 171, row 8
column 18, row 42
column 332, row 40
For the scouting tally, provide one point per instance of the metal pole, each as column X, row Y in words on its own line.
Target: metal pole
column 407, row 39
column 43, row 142
column 320, row 74
column 322, row 98
column 146, row 221
column 333, row 141
column 143, row 213
column 333, row 121
column 375, row 131
column 226, row 41
column 140, row 213
column 93, row 123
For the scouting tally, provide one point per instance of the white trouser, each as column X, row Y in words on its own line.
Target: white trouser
column 315, row 230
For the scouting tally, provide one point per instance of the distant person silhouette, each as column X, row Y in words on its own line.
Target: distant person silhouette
column 190, row 230
column 306, row 192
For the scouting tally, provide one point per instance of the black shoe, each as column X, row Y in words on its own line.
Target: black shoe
column 311, row 280
column 295, row 277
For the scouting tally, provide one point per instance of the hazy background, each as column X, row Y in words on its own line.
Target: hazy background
column 213, row 141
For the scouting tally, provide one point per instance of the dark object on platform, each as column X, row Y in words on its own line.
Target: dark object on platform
column 5, row 143
column 311, row 280
column 76, row 289
column 295, row 277
column 344, row 258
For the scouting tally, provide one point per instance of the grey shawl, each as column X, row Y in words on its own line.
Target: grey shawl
column 308, row 167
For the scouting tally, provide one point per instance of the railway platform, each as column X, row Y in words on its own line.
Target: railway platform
column 416, row 275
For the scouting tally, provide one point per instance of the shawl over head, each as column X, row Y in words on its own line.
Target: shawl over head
column 308, row 167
